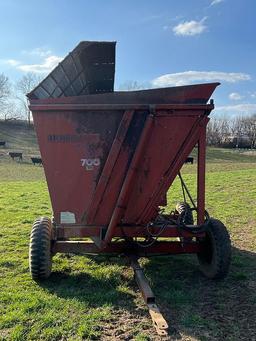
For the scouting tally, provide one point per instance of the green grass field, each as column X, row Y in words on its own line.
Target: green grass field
column 96, row 298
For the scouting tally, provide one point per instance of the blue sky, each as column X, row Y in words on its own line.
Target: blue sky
column 159, row 43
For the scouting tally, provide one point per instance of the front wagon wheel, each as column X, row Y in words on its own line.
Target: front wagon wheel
column 214, row 259
column 40, row 256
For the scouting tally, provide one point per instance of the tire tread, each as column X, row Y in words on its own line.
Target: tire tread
column 222, row 248
column 40, row 249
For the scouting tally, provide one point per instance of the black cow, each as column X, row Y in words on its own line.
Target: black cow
column 2, row 143
column 13, row 155
column 36, row 160
column 190, row 159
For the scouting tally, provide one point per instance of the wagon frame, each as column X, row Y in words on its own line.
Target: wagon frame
column 107, row 180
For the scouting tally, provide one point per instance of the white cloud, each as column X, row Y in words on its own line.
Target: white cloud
column 190, row 28
column 215, row 2
column 234, row 110
column 46, row 66
column 11, row 62
column 38, row 51
column 188, row 77
column 235, row 96
column 253, row 94
column 47, row 61
column 177, row 18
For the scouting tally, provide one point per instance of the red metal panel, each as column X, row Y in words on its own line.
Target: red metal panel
column 167, row 138
column 189, row 94
column 123, row 198
column 201, row 173
column 167, row 109
column 108, row 168
column 75, row 231
column 74, row 147
column 118, row 175
column 166, row 181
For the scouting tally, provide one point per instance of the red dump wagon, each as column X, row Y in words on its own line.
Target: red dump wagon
column 109, row 160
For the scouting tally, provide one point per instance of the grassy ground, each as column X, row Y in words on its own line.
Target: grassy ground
column 96, row 298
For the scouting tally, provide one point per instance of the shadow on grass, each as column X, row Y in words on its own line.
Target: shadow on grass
column 203, row 308
column 93, row 287
column 192, row 304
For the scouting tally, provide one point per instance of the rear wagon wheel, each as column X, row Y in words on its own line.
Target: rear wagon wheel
column 40, row 256
column 214, row 259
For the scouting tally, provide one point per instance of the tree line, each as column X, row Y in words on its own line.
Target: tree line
column 237, row 132
column 13, row 100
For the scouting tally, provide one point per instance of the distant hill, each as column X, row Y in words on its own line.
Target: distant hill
column 19, row 137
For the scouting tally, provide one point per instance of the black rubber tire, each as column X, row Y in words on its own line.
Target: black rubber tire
column 215, row 257
column 184, row 208
column 40, row 257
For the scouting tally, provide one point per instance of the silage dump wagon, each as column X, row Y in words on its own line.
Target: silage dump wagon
column 109, row 159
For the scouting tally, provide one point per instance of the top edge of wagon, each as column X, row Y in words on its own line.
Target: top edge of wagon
column 84, row 80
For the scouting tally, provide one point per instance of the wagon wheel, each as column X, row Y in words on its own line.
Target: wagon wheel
column 214, row 259
column 40, row 256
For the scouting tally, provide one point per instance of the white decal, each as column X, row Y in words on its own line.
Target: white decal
column 67, row 218
column 89, row 164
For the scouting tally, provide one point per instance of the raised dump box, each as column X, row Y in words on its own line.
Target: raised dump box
column 109, row 160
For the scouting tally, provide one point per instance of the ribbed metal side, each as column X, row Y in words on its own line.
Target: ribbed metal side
column 88, row 69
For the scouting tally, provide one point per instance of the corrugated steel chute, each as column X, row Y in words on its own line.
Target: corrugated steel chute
column 88, row 69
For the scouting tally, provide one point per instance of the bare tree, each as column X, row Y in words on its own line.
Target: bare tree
column 249, row 128
column 5, row 97
column 5, row 89
column 27, row 83
column 11, row 111
column 236, row 132
column 213, row 134
column 132, row 85
column 217, row 130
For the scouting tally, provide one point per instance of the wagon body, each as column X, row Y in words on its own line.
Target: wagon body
column 89, row 145
column 110, row 159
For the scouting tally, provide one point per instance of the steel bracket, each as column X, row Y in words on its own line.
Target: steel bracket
column 158, row 320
